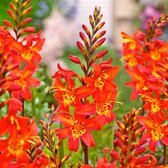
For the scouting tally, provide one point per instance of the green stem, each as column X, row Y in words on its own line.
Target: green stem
column 164, row 155
column 61, row 150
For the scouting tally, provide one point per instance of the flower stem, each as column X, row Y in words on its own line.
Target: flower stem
column 85, row 150
column 164, row 155
column 61, row 150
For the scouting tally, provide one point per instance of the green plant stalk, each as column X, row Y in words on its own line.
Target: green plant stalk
column 164, row 155
column 61, row 150
column 33, row 105
column 112, row 140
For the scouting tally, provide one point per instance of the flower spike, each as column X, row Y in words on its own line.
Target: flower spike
column 18, row 11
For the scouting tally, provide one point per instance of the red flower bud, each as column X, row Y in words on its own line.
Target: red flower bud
column 91, row 21
column 83, row 37
column 28, row 30
column 25, row 21
column 80, row 46
column 139, row 150
column 86, row 30
column 99, row 43
column 11, row 14
column 75, row 59
column 100, row 25
column 26, row 3
column 7, row 23
column 13, row 6
column 25, row 12
column 121, row 125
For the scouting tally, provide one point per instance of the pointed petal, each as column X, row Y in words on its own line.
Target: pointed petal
column 64, row 133
column 164, row 140
column 83, row 91
column 152, row 145
column 88, row 139
column 73, row 144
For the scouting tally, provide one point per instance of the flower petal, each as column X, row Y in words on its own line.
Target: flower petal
column 88, row 139
column 73, row 144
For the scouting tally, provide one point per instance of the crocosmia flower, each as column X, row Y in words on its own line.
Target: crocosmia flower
column 76, row 129
column 156, row 130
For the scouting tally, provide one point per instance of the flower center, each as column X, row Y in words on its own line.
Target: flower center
column 68, row 98
column 16, row 147
column 78, row 129
column 15, row 121
column 102, row 109
column 21, row 81
column 155, row 106
column 157, row 132
column 155, row 55
column 100, row 81
column 27, row 56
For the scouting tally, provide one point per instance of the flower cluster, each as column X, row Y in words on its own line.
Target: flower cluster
column 85, row 102
column 19, row 58
column 146, row 59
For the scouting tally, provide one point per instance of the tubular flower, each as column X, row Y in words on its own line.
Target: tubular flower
column 14, row 147
column 139, row 82
column 11, row 120
column 146, row 161
column 156, row 130
column 102, row 79
column 130, row 47
column 67, row 94
column 29, row 48
column 154, row 104
column 102, row 107
column 103, row 163
column 75, row 128
column 20, row 86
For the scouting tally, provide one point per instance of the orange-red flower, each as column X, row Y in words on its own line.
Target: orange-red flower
column 154, row 104
column 102, row 107
column 75, row 128
column 104, row 73
column 66, row 93
column 131, row 46
column 29, row 49
column 23, row 80
column 156, row 130
column 103, row 163
column 14, row 147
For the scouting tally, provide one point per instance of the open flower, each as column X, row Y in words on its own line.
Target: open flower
column 14, row 147
column 20, row 87
column 156, row 130
column 76, row 129
column 102, row 80
column 67, row 94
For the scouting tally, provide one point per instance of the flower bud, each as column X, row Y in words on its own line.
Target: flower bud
column 7, row 23
column 25, row 21
column 75, row 59
column 86, row 30
column 13, row 6
column 80, row 46
column 25, row 12
column 11, row 14
column 139, row 150
column 91, row 21
column 121, row 125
